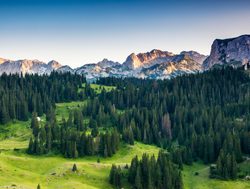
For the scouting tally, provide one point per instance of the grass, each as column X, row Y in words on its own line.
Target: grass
column 20, row 170
column 14, row 135
column 63, row 109
column 98, row 88
column 202, row 181
column 25, row 171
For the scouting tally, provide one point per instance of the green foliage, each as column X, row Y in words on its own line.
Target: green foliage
column 20, row 96
column 115, row 176
column 74, row 168
column 226, row 167
column 151, row 173
column 193, row 116
column 69, row 140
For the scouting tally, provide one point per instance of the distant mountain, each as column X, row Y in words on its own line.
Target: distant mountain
column 195, row 56
column 28, row 66
column 180, row 64
column 148, row 59
column 233, row 51
column 155, row 64
column 2, row 60
column 64, row 69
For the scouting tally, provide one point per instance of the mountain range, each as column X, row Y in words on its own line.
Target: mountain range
column 156, row 64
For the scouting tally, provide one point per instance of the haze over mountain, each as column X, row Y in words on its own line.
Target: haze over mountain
column 156, row 64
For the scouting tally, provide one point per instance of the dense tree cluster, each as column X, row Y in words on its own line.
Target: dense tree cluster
column 150, row 173
column 115, row 176
column 70, row 138
column 230, row 154
column 22, row 95
column 226, row 166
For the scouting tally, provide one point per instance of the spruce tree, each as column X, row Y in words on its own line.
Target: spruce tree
column 74, row 168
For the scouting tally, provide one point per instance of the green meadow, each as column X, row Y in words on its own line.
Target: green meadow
column 20, row 170
column 98, row 88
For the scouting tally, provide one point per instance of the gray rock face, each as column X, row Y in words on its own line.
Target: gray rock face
column 65, row 69
column 154, row 64
column 28, row 67
column 148, row 59
column 195, row 56
column 232, row 51
column 181, row 64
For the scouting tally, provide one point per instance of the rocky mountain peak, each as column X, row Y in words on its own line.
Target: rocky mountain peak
column 132, row 61
column 155, row 64
column 230, row 51
column 147, row 59
column 195, row 56
column 54, row 64
column 107, row 63
column 2, row 60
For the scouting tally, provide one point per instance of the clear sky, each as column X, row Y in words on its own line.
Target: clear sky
column 76, row 32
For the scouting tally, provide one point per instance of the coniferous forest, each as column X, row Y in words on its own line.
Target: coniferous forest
column 20, row 96
column 202, row 117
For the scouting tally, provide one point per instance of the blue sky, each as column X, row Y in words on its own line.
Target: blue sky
column 76, row 32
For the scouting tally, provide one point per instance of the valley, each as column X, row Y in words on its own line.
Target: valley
column 124, row 94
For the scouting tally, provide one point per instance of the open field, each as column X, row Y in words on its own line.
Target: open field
column 25, row 171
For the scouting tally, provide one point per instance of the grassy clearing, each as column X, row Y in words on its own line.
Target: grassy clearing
column 14, row 135
column 98, row 88
column 202, row 180
column 63, row 109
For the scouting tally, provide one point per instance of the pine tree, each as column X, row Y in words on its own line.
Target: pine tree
column 94, row 131
column 112, row 174
column 31, row 146
column 74, row 168
column 35, row 124
column 166, row 126
column 138, row 183
column 4, row 115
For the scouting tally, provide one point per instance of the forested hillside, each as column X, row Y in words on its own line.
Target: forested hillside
column 197, row 117
column 194, row 118
column 20, row 96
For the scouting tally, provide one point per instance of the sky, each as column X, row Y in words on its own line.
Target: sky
column 76, row 32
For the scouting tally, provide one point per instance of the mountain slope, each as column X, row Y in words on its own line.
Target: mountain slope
column 28, row 67
column 154, row 64
column 233, row 51
column 180, row 64
column 147, row 59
